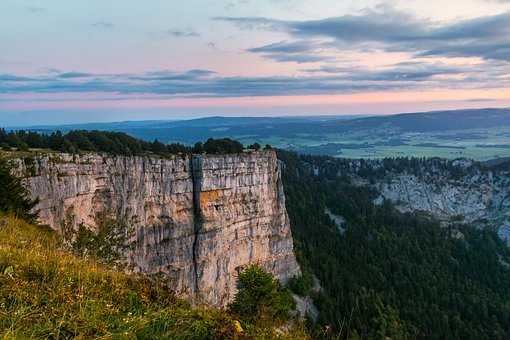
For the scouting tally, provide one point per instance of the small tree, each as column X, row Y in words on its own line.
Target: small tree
column 198, row 148
column 255, row 146
column 14, row 198
column 260, row 296
column 108, row 244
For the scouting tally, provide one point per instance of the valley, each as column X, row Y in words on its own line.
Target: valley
column 484, row 134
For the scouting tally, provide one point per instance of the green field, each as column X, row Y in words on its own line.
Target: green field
column 479, row 144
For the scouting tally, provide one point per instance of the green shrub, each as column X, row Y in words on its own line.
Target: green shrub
column 301, row 285
column 260, row 297
column 254, row 146
column 222, row 146
column 14, row 198
column 108, row 243
column 23, row 147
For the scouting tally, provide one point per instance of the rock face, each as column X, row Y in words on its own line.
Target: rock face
column 197, row 219
column 478, row 197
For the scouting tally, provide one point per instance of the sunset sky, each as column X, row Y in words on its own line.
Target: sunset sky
column 67, row 61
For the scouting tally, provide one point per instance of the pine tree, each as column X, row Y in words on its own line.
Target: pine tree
column 14, row 198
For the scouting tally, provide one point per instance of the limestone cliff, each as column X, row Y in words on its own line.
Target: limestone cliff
column 474, row 193
column 198, row 219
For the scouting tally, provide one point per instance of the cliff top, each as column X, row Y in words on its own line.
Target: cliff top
column 39, row 153
column 117, row 143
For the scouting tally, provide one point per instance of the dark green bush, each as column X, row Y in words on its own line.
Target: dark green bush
column 14, row 198
column 222, row 146
column 260, row 297
column 301, row 285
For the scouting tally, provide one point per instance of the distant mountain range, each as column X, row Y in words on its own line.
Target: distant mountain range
column 447, row 132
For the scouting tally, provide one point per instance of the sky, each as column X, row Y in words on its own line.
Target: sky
column 79, row 61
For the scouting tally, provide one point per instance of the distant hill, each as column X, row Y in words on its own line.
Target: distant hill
column 437, row 120
column 194, row 129
column 440, row 133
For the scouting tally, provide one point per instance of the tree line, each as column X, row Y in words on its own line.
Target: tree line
column 112, row 142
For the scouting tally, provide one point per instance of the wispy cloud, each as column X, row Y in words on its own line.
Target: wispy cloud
column 301, row 51
column 105, row 25
column 69, row 75
column 406, row 71
column 486, row 37
column 176, row 33
column 206, row 83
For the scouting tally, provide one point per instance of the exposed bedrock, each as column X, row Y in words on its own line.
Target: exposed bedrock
column 198, row 219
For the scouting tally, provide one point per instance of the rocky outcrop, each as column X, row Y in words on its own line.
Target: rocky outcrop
column 197, row 219
column 481, row 198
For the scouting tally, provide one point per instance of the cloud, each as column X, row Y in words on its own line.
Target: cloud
column 195, row 74
column 178, row 33
column 299, row 58
column 481, row 100
column 406, row 71
column 15, row 78
column 234, row 3
column 74, row 75
column 105, row 25
column 206, row 83
column 486, row 37
column 302, row 51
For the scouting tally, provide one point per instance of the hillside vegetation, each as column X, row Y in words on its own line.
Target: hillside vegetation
column 47, row 292
column 48, row 289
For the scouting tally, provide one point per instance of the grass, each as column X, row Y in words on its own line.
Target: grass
column 47, row 292
column 13, row 154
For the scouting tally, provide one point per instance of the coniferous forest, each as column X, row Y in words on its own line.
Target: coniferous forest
column 391, row 275
column 117, row 143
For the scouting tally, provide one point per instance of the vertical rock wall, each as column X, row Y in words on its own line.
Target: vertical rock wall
column 199, row 220
column 242, row 220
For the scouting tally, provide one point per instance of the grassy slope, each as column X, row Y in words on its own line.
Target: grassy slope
column 47, row 292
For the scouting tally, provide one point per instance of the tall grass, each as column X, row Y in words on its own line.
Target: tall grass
column 47, row 292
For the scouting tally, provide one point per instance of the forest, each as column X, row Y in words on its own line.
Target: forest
column 117, row 143
column 391, row 275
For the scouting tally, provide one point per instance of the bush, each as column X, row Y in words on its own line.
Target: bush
column 107, row 244
column 14, row 198
column 23, row 147
column 222, row 146
column 301, row 285
column 260, row 297
column 255, row 146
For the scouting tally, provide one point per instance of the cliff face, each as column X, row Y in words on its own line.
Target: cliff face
column 481, row 198
column 199, row 220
